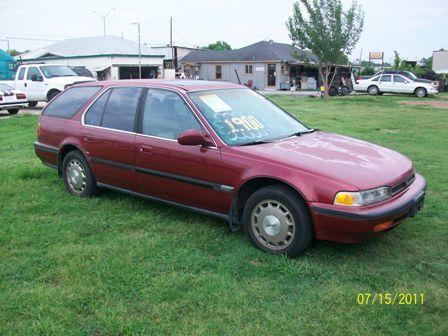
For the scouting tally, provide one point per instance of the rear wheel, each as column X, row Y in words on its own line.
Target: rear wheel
column 276, row 220
column 420, row 92
column 32, row 103
column 77, row 175
column 345, row 90
column 13, row 111
column 373, row 90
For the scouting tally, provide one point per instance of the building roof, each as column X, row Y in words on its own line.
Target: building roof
column 91, row 46
column 257, row 52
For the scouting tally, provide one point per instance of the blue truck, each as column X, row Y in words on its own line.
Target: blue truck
column 8, row 66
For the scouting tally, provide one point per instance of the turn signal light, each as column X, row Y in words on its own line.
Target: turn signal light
column 383, row 226
column 344, row 199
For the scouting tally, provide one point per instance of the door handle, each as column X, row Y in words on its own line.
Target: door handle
column 88, row 138
column 145, row 149
column 25, row 85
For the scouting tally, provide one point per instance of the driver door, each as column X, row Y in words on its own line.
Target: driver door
column 189, row 175
column 34, row 89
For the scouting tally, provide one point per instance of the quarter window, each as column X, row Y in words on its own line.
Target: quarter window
column 248, row 68
column 21, row 74
column 70, row 101
column 121, row 109
column 32, row 71
column 218, row 72
column 166, row 115
column 95, row 113
column 386, row 78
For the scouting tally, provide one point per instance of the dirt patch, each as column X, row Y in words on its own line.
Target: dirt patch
column 439, row 104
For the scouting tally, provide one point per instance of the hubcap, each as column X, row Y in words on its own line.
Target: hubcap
column 76, row 176
column 273, row 225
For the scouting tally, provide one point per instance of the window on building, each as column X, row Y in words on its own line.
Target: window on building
column 248, row 69
column 166, row 115
column 218, row 71
column 121, row 109
column 69, row 102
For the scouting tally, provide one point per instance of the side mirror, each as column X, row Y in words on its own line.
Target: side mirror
column 191, row 137
column 36, row 78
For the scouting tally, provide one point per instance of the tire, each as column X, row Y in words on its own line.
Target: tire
column 332, row 91
column 277, row 221
column 373, row 90
column 421, row 92
column 13, row 111
column 52, row 94
column 77, row 175
column 32, row 103
column 345, row 90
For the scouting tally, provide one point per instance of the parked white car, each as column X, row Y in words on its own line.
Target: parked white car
column 43, row 82
column 11, row 99
column 394, row 84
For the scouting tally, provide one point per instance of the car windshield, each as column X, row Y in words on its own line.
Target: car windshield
column 5, row 87
column 51, row 71
column 241, row 116
column 411, row 75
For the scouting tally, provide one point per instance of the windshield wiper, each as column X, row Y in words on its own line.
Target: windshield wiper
column 304, row 132
column 257, row 142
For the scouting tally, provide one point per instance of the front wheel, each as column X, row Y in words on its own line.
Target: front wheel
column 13, row 111
column 345, row 90
column 332, row 91
column 420, row 92
column 77, row 175
column 276, row 220
column 52, row 94
column 32, row 103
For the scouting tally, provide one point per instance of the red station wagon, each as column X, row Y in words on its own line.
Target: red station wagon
column 224, row 150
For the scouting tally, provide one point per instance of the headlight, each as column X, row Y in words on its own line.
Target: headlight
column 366, row 197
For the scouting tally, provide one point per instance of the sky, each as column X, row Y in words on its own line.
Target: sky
column 414, row 28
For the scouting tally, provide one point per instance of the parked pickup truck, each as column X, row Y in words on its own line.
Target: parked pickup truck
column 43, row 82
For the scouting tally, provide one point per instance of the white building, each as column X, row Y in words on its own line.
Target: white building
column 107, row 57
column 440, row 61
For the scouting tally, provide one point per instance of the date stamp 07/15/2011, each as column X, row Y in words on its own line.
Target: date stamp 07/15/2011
column 390, row 298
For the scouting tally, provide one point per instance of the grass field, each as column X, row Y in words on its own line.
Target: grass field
column 117, row 265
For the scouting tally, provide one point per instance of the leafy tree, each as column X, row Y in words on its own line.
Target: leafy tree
column 14, row 52
column 219, row 45
column 327, row 30
column 397, row 60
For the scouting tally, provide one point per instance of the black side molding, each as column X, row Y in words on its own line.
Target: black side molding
column 47, row 148
column 178, row 205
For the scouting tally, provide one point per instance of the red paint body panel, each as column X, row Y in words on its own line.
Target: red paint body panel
column 316, row 165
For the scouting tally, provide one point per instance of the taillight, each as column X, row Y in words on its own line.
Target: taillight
column 1, row 98
column 20, row 96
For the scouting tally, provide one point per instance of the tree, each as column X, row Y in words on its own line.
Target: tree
column 327, row 30
column 14, row 52
column 397, row 60
column 219, row 45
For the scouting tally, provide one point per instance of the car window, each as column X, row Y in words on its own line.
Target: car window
column 386, row 78
column 94, row 114
column 121, row 109
column 399, row 79
column 69, row 102
column 166, row 115
column 21, row 74
column 32, row 71
column 375, row 79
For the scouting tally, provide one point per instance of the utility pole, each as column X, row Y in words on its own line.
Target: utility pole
column 104, row 17
column 171, row 44
column 139, row 50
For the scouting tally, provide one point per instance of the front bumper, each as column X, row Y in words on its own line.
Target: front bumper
column 352, row 225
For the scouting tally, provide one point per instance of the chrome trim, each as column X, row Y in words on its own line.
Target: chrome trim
column 146, row 135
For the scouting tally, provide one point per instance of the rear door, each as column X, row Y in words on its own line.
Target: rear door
column 109, row 133
column 385, row 83
column 190, row 175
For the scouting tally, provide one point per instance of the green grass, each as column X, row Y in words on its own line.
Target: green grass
column 117, row 265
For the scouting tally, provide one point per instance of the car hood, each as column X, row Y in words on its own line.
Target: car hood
column 422, row 80
column 353, row 162
column 71, row 79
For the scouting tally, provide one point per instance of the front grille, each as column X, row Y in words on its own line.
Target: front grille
column 402, row 185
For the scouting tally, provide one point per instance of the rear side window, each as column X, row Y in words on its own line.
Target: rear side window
column 70, row 101
column 21, row 74
column 95, row 112
column 121, row 109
